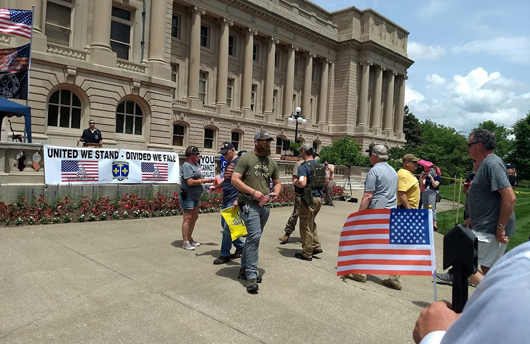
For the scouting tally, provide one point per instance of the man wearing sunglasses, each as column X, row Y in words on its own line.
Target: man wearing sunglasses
column 91, row 134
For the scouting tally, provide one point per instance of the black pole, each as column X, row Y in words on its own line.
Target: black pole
column 296, row 131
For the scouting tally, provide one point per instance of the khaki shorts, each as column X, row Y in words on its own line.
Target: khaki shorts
column 489, row 250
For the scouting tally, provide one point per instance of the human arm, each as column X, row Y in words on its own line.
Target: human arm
column 365, row 201
column 507, row 206
column 402, row 195
column 434, row 182
column 237, row 181
column 438, row 316
column 195, row 182
column 277, row 187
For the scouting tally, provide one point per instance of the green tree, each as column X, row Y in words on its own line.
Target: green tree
column 521, row 147
column 502, row 134
column 344, row 152
column 411, row 129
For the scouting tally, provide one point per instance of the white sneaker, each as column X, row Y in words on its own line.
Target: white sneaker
column 187, row 246
column 194, row 243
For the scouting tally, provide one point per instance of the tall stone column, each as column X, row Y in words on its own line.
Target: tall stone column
column 289, row 81
column 269, row 79
column 306, row 100
column 222, row 70
column 246, row 87
column 401, row 106
column 195, row 52
column 363, row 98
column 157, row 31
column 102, row 21
column 323, row 95
column 389, row 106
column 376, row 114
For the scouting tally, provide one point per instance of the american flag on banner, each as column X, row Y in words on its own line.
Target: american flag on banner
column 16, row 22
column 155, row 171
column 387, row 242
column 79, row 171
column 14, row 60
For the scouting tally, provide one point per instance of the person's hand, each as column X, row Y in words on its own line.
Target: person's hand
column 468, row 223
column 273, row 195
column 438, row 316
column 257, row 195
column 500, row 235
column 235, row 204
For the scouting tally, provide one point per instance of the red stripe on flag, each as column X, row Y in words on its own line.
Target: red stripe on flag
column 385, row 251
column 385, row 262
column 364, row 242
column 363, row 231
column 370, row 212
column 385, row 272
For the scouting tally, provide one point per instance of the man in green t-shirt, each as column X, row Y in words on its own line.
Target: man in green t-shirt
column 252, row 176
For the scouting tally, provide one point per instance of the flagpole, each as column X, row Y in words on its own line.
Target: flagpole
column 433, row 255
column 29, row 63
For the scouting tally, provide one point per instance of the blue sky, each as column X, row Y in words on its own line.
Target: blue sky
column 472, row 58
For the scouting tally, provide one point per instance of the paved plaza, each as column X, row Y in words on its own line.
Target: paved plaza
column 129, row 281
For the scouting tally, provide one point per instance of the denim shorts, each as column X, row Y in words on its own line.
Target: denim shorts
column 189, row 203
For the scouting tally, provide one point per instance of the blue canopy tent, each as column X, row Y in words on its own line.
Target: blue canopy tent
column 9, row 108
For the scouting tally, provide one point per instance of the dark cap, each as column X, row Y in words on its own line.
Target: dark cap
column 510, row 165
column 410, row 157
column 263, row 135
column 226, row 147
column 370, row 147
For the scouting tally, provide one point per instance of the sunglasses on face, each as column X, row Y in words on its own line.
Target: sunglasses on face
column 91, row 123
column 472, row 143
column 196, row 153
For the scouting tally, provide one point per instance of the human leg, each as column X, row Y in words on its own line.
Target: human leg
column 254, row 217
column 393, row 281
column 306, row 236
column 316, row 206
column 290, row 226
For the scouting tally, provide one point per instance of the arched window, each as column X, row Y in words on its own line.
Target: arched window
column 64, row 110
column 236, row 139
column 316, row 145
column 179, row 134
column 129, row 118
column 209, row 138
column 282, row 143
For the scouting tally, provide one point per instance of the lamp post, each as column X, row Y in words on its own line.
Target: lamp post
column 297, row 118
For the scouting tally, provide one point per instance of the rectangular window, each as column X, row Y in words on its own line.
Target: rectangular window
column 235, row 140
column 175, row 79
column 58, row 21
column 229, row 91
column 205, row 31
column 203, row 86
column 120, row 32
column 178, row 135
column 296, row 65
column 276, row 60
column 274, row 99
column 279, row 145
column 315, row 146
column 175, row 26
column 208, row 138
column 253, row 95
column 255, row 52
column 293, row 107
column 232, row 45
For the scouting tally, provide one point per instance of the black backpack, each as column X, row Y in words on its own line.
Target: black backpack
column 317, row 180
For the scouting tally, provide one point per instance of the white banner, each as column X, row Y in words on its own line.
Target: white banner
column 64, row 165
column 208, row 166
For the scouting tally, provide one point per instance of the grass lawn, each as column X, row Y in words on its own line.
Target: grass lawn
column 446, row 219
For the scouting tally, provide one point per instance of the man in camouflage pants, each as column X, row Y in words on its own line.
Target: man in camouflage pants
column 290, row 226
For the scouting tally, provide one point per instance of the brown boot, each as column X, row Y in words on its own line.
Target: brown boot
column 284, row 239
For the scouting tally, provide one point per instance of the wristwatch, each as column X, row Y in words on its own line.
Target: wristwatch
column 500, row 225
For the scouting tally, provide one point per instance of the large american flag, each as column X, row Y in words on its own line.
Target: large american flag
column 155, row 171
column 387, row 242
column 79, row 171
column 16, row 22
column 14, row 60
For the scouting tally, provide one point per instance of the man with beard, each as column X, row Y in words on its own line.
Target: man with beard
column 251, row 177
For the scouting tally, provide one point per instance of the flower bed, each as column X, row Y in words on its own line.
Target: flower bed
column 84, row 209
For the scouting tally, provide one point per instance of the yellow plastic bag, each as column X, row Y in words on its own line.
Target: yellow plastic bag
column 235, row 222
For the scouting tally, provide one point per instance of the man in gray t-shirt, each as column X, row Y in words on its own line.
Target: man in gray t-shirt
column 490, row 200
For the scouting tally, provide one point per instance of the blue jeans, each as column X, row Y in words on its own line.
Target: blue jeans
column 255, row 218
column 226, row 243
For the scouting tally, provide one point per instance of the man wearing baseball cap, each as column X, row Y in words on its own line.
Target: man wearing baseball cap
column 252, row 176
column 230, row 193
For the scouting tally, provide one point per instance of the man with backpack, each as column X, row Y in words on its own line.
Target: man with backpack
column 311, row 181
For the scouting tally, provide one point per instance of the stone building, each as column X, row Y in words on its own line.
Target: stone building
column 167, row 74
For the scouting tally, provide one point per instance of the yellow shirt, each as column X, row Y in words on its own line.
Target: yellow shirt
column 409, row 184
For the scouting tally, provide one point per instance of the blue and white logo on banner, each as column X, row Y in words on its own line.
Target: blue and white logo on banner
column 223, row 164
column 120, row 170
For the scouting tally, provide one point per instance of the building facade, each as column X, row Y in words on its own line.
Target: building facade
column 163, row 74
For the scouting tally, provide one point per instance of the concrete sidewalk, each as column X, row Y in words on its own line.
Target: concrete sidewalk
column 129, row 281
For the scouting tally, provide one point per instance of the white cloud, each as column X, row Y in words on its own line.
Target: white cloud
column 435, row 80
column 421, row 51
column 511, row 49
column 469, row 100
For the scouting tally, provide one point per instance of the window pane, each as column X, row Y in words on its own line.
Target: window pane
column 119, row 123
column 58, row 15
column 129, row 124
column 64, row 120
column 57, row 35
column 120, row 32
column 65, row 97
column 138, row 125
column 53, row 111
column 121, row 50
column 138, row 110
column 235, row 137
column 121, row 107
column 178, row 130
column 208, row 133
column 178, row 141
column 54, row 99
column 76, row 101
column 129, row 107
column 208, row 143
column 76, row 118
column 122, row 14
